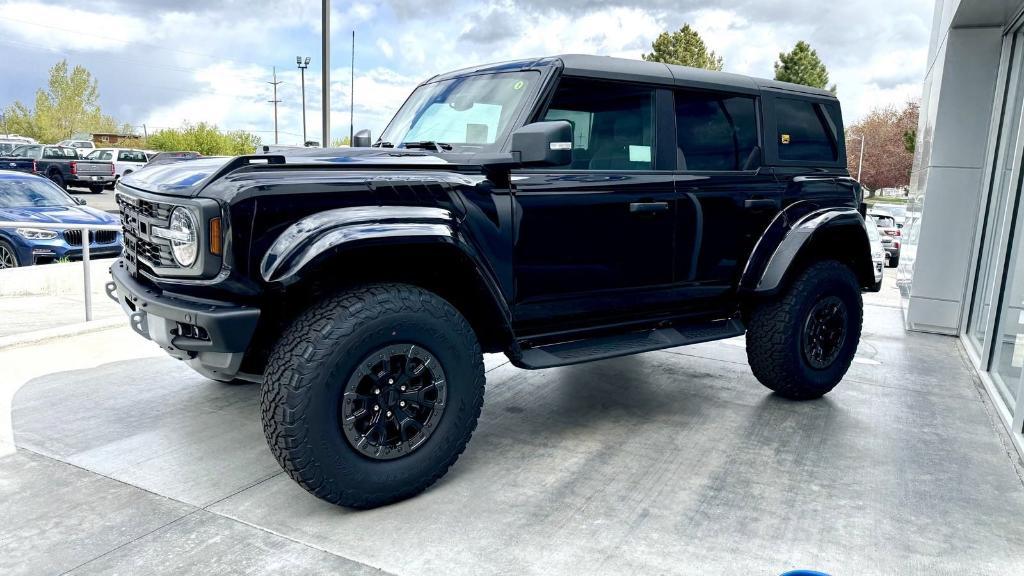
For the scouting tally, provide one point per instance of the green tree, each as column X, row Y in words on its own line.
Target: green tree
column 685, row 48
column 204, row 138
column 69, row 105
column 802, row 66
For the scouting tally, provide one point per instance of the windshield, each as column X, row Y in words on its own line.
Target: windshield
column 885, row 221
column 25, row 193
column 25, row 151
column 471, row 114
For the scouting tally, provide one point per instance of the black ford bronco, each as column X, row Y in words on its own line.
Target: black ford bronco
column 559, row 210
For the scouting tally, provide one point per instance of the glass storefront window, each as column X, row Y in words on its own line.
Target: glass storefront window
column 1001, row 182
column 1008, row 345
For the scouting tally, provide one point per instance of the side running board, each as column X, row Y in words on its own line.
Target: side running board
column 602, row 347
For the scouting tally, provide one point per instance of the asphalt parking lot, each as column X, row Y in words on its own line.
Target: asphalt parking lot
column 672, row 462
column 104, row 201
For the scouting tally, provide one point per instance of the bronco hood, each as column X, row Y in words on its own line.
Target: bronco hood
column 189, row 177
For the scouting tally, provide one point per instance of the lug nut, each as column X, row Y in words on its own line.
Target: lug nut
column 391, row 380
column 402, row 388
column 388, row 414
column 376, row 390
column 402, row 403
column 375, row 407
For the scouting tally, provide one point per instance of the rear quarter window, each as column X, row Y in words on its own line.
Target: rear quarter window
column 803, row 132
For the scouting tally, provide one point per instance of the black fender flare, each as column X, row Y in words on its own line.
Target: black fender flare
column 320, row 235
column 791, row 233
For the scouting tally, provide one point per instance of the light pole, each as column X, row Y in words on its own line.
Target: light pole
column 302, row 70
column 326, row 64
column 860, row 163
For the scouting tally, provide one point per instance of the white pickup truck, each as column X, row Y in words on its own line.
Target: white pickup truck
column 125, row 160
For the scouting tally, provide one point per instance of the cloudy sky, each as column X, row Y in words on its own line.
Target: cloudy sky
column 162, row 62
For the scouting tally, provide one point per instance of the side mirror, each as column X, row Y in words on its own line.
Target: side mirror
column 361, row 139
column 543, row 144
column 79, row 201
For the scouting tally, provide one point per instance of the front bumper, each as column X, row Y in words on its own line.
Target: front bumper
column 211, row 337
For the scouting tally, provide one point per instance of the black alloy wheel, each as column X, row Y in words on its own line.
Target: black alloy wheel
column 824, row 332
column 393, row 402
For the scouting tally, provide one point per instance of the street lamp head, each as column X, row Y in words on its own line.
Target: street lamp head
column 307, row 60
column 298, row 60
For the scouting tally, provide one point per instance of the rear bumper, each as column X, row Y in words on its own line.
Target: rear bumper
column 210, row 337
column 90, row 180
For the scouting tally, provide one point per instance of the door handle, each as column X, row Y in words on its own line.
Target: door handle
column 646, row 207
column 760, row 203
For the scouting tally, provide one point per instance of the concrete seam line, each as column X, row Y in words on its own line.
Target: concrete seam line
column 68, row 331
column 300, row 542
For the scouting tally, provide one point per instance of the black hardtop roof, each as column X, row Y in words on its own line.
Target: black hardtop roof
column 623, row 69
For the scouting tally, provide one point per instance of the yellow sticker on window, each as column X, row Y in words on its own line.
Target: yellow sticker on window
column 785, row 138
column 518, row 85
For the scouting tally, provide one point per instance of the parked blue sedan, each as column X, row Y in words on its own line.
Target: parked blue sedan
column 29, row 198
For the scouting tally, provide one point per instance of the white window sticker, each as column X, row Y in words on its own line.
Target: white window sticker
column 639, row 153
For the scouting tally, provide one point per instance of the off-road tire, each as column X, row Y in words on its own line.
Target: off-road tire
column 315, row 357
column 775, row 335
column 96, row 189
column 893, row 262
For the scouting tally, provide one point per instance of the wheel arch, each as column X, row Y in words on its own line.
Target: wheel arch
column 339, row 250
column 831, row 233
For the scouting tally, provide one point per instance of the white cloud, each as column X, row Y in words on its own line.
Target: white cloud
column 385, row 47
column 41, row 24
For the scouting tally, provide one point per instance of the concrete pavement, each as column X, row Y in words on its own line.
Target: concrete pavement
column 672, row 462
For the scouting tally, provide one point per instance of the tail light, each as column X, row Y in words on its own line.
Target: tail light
column 74, row 167
column 35, row 168
column 111, row 168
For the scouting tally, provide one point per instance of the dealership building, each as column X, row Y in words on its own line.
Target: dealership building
column 962, row 269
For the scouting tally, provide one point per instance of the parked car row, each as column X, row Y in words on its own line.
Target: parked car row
column 100, row 168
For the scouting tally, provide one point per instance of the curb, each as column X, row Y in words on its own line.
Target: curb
column 38, row 336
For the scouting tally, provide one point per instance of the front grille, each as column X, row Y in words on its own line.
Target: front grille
column 74, row 237
column 141, row 249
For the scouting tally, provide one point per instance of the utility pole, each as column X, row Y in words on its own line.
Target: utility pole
column 275, row 101
column 302, row 70
column 326, row 62
column 145, row 133
column 352, row 93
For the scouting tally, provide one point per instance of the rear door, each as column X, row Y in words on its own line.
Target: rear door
column 727, row 197
column 595, row 239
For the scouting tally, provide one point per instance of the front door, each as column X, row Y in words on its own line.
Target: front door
column 595, row 239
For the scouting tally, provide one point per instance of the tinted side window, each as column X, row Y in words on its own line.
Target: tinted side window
column 803, row 132
column 613, row 124
column 716, row 131
column 52, row 153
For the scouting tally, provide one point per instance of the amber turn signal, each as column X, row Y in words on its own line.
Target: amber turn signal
column 216, row 240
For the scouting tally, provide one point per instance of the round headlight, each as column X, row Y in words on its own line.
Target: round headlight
column 185, row 245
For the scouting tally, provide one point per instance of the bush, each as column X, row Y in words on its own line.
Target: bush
column 204, row 138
